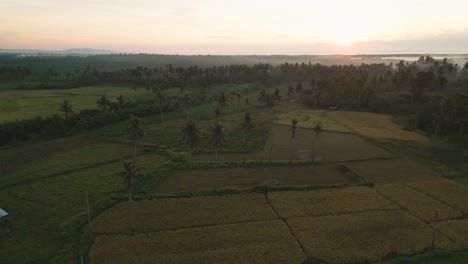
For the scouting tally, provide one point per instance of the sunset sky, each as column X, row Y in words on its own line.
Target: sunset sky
column 237, row 26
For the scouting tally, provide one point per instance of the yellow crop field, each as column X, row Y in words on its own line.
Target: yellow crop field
column 258, row 242
column 418, row 203
column 374, row 125
column 367, row 124
column 447, row 191
column 365, row 237
column 328, row 202
column 456, row 230
column 171, row 213
column 307, row 119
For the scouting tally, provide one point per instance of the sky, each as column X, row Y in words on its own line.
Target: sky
column 237, row 26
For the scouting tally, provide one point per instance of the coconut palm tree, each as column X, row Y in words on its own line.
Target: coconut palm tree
column 246, row 125
column 163, row 99
column 136, row 133
column 218, row 139
column 103, row 103
column 121, row 101
column 317, row 128
column 191, row 136
column 130, row 174
column 293, row 127
column 66, row 108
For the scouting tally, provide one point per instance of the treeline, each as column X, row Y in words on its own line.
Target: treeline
column 417, row 90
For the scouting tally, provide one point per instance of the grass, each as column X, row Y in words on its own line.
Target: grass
column 240, row 243
column 26, row 104
column 66, row 161
column 449, row 159
column 328, row 202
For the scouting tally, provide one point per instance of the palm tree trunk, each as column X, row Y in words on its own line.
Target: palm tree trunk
column 162, row 115
column 190, row 158
column 134, row 152
column 461, row 130
column 243, row 141
column 129, row 186
column 437, row 128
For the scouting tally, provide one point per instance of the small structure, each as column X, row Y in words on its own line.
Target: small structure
column 3, row 213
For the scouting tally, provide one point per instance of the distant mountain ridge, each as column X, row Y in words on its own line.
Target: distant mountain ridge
column 77, row 51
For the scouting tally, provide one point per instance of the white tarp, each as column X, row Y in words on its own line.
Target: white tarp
column 3, row 213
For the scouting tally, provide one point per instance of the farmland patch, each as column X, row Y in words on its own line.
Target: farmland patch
column 365, row 237
column 447, row 191
column 259, row 242
column 417, row 203
column 243, row 178
column 328, row 202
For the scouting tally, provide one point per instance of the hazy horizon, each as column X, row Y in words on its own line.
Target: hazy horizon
column 238, row 27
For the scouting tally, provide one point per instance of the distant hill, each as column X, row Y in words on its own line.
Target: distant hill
column 81, row 51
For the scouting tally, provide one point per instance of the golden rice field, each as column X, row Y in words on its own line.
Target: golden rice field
column 364, row 123
column 447, row 191
column 257, row 242
column 172, row 213
column 374, row 125
column 392, row 171
column 328, row 202
column 307, row 119
column 456, row 230
column 417, row 203
column 365, row 237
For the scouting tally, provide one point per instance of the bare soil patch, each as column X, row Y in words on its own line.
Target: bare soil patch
column 243, row 178
column 392, row 171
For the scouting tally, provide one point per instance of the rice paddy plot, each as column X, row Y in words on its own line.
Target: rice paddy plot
column 392, row 171
column 308, row 119
column 418, row 203
column 172, row 213
column 446, row 191
column 66, row 161
column 365, row 237
column 306, row 145
column 256, row 242
column 374, row 125
column 243, row 178
column 328, row 202
column 457, row 230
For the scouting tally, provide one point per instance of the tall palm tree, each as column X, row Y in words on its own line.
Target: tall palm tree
column 218, row 139
column 66, row 108
column 136, row 133
column 121, row 101
column 163, row 99
column 130, row 174
column 293, row 127
column 246, row 125
column 191, row 136
column 103, row 103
